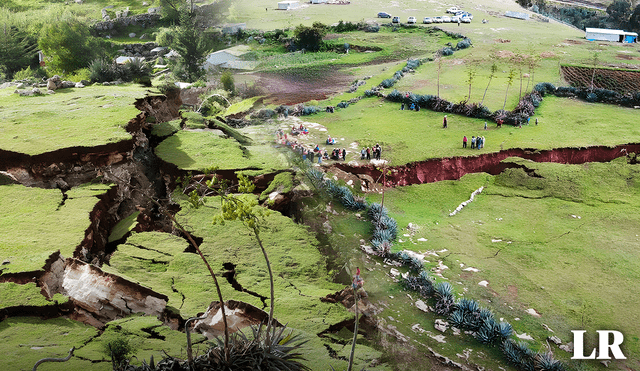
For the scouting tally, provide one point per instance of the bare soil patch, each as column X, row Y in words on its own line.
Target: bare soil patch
column 547, row 54
column 290, row 88
column 620, row 81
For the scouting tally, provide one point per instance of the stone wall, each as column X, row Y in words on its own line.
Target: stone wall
column 144, row 20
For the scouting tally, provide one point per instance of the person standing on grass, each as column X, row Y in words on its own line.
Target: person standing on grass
column 402, row 107
column 444, row 122
column 536, row 121
column 464, row 142
column 344, row 154
column 368, row 153
column 485, row 125
column 473, row 142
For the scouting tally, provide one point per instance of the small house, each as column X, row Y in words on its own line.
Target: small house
column 288, row 4
column 605, row 34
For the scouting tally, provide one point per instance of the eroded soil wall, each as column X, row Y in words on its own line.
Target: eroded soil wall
column 453, row 168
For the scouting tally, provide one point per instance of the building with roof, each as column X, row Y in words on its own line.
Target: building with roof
column 288, row 4
column 605, row 34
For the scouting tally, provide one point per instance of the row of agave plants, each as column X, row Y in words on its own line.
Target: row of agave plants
column 465, row 314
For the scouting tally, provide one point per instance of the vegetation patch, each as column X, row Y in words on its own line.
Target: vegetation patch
column 621, row 81
column 38, row 221
column 39, row 124
column 29, row 294
column 25, row 340
column 203, row 150
column 164, row 129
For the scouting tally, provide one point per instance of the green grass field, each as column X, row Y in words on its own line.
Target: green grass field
column 87, row 117
column 561, row 242
column 36, row 221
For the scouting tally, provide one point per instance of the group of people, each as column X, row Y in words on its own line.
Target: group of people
column 368, row 152
column 476, row 142
column 299, row 130
column 412, row 106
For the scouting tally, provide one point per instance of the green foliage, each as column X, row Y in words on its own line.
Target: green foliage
column 17, row 50
column 165, row 36
column 68, row 45
column 283, row 183
column 123, row 227
column 310, row 38
column 226, row 79
column 118, row 350
column 189, row 43
column 164, row 129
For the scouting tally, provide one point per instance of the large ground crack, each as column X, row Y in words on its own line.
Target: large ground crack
column 173, row 288
column 230, row 275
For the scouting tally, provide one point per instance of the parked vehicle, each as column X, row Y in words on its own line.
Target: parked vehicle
column 395, row 20
column 446, row 19
column 468, row 15
column 455, row 19
column 427, row 20
column 411, row 20
column 437, row 19
column 384, row 15
column 453, row 10
column 465, row 19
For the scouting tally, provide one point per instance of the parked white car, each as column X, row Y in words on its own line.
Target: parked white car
column 437, row 19
column 427, row 20
column 453, row 10
column 455, row 19
column 465, row 19
column 411, row 20
column 446, row 19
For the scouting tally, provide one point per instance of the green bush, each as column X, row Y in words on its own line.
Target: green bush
column 227, row 81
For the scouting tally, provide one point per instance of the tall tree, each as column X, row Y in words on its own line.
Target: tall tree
column 68, row 45
column 17, row 49
column 512, row 75
column 471, row 71
column 634, row 20
column 492, row 74
column 310, row 38
column 189, row 43
column 619, row 12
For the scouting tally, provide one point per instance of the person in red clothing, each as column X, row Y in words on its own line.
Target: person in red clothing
column 464, row 142
column 444, row 122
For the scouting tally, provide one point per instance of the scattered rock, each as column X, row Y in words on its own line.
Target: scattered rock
column 533, row 312
column 456, row 331
column 394, row 272
column 554, row 339
column 606, row 362
column 54, row 83
column 132, row 35
column 567, row 347
column 417, row 328
column 483, row 283
column 441, row 325
column 524, row 336
column 79, row 85
column 422, row 306
column 547, row 328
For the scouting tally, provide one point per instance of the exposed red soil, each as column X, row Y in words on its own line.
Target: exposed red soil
column 453, row 168
column 616, row 80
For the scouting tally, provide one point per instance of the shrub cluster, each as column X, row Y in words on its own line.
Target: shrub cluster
column 343, row 105
column 309, row 110
column 463, row 44
column 103, row 70
column 590, row 95
column 385, row 229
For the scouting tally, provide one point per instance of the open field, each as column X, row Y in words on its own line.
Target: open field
column 546, row 240
column 87, row 117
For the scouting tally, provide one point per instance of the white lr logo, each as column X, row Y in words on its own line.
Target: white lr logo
column 603, row 345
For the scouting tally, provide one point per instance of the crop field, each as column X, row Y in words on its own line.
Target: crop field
column 621, row 81
column 547, row 247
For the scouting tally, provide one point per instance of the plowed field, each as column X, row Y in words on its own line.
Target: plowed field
column 620, row 81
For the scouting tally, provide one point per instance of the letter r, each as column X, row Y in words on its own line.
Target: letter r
column 604, row 345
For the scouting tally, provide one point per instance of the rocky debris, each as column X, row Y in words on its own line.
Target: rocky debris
column 54, row 83
column 239, row 315
column 483, row 283
column 441, row 325
column 345, row 297
column 554, row 339
column 567, row 347
column 533, row 312
column 524, row 336
column 446, row 361
column 28, row 93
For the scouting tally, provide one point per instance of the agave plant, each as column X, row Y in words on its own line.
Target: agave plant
column 468, row 305
column 505, row 330
column 456, row 319
column 545, row 362
column 488, row 331
column 444, row 289
column 420, row 284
